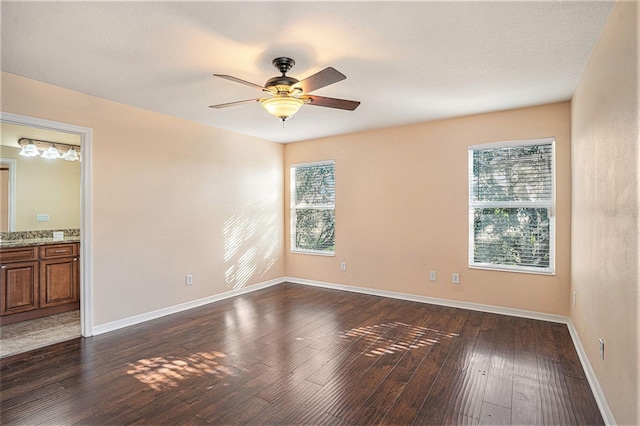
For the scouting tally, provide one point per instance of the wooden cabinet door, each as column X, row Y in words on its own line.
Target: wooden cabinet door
column 59, row 281
column 19, row 286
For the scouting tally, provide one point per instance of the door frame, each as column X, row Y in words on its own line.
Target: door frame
column 11, row 164
column 86, row 275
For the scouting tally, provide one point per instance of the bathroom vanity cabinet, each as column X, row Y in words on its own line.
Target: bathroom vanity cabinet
column 37, row 281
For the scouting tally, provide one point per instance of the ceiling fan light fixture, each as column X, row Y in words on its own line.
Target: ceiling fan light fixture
column 282, row 107
column 288, row 94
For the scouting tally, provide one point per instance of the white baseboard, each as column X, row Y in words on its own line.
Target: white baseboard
column 435, row 301
column 148, row 316
column 605, row 411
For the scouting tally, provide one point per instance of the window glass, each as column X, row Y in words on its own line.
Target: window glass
column 511, row 195
column 313, row 208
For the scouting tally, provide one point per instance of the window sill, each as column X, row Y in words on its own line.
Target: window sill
column 314, row 252
column 513, row 269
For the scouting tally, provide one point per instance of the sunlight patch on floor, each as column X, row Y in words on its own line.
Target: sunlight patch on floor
column 162, row 373
column 413, row 337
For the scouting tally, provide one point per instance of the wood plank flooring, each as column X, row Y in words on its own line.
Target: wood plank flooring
column 293, row 354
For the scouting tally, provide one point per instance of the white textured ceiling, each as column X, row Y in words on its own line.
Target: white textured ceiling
column 406, row 62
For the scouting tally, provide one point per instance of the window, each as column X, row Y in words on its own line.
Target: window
column 511, row 206
column 313, row 213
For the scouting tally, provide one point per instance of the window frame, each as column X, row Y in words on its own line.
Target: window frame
column 293, row 207
column 548, row 204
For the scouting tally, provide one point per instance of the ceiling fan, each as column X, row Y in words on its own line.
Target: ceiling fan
column 288, row 94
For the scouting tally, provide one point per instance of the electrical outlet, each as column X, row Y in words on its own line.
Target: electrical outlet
column 601, row 341
column 455, row 278
column 432, row 276
column 189, row 279
column 575, row 296
column 343, row 266
column 42, row 217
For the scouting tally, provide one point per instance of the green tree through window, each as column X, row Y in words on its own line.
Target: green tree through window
column 511, row 206
column 313, row 208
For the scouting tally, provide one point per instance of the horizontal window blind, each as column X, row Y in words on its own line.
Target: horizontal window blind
column 315, row 185
column 312, row 214
column 513, row 174
column 511, row 194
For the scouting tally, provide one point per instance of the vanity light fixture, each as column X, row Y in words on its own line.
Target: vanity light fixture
column 32, row 148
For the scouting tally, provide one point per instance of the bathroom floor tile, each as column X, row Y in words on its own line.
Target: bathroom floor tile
column 33, row 334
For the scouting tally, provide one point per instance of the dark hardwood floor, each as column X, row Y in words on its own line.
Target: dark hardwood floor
column 292, row 354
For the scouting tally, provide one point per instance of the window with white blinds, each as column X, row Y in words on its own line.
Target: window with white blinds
column 511, row 206
column 312, row 216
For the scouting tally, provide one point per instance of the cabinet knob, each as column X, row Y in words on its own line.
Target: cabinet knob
column 75, row 259
column 3, row 267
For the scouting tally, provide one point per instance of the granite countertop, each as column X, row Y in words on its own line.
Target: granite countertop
column 38, row 242
column 37, row 238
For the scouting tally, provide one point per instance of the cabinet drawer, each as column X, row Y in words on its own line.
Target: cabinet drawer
column 58, row 250
column 22, row 254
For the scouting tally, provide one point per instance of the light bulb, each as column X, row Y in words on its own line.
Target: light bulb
column 71, row 155
column 29, row 150
column 51, row 152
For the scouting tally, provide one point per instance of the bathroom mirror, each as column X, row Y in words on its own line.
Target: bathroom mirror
column 37, row 193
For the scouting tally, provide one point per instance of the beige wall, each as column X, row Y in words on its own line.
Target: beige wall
column 402, row 209
column 45, row 186
column 605, row 235
column 170, row 198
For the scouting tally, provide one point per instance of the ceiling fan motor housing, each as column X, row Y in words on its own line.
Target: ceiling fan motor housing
column 280, row 81
column 283, row 64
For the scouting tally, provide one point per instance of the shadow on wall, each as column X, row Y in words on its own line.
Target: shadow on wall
column 251, row 241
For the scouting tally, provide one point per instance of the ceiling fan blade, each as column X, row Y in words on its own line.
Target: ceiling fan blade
column 238, row 80
column 332, row 102
column 230, row 104
column 321, row 79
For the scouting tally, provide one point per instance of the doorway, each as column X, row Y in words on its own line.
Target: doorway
column 84, row 134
